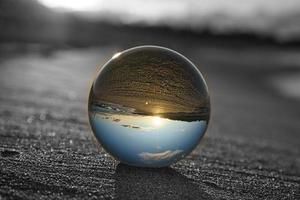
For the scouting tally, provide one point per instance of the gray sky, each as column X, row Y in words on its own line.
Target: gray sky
column 280, row 18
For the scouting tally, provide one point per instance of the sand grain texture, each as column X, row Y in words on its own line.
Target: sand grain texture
column 251, row 150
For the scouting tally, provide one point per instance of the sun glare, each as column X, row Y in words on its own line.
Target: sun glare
column 78, row 5
column 157, row 121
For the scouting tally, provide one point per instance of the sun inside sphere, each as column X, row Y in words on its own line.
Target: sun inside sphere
column 149, row 106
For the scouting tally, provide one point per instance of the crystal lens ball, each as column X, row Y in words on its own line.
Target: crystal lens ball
column 149, row 106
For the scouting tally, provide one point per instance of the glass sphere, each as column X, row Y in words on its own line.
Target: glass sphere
column 149, row 106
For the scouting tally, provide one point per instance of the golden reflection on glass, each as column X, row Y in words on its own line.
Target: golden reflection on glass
column 149, row 106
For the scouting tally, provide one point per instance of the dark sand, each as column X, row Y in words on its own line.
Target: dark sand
column 251, row 150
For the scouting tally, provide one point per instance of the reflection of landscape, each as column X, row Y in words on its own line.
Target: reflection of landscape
column 154, row 82
column 149, row 106
column 145, row 140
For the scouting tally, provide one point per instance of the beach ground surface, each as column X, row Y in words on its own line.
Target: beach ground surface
column 250, row 151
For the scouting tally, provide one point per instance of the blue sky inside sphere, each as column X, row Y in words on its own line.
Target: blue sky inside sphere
column 146, row 140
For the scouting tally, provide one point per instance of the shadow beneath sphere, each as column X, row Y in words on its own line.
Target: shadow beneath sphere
column 152, row 183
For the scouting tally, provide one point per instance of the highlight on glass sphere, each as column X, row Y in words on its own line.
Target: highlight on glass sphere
column 149, row 106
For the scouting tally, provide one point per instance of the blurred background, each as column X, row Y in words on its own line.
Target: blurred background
column 242, row 48
column 248, row 51
column 100, row 22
